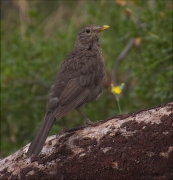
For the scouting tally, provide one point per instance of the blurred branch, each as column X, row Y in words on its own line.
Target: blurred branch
column 123, row 54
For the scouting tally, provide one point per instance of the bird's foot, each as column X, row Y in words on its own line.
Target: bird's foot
column 88, row 121
column 64, row 129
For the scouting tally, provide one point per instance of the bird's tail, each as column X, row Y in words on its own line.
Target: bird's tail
column 41, row 135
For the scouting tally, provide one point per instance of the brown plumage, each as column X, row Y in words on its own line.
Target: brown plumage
column 78, row 81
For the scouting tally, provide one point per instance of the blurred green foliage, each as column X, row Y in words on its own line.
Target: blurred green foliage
column 36, row 36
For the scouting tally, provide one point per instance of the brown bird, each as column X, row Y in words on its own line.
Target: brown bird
column 78, row 81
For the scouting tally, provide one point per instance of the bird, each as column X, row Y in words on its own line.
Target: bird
column 79, row 80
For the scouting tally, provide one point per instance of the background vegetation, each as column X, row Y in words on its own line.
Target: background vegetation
column 36, row 36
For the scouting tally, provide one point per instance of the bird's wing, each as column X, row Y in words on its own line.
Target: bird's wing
column 86, row 75
column 72, row 96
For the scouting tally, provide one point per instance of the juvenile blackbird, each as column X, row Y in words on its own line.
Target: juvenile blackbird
column 78, row 81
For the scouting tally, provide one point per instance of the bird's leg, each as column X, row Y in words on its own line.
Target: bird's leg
column 87, row 120
column 64, row 129
column 62, row 125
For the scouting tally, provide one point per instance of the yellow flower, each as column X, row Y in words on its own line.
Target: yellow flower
column 116, row 90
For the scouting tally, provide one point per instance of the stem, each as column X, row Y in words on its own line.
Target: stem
column 119, row 106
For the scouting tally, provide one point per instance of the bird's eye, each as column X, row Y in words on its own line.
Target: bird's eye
column 87, row 31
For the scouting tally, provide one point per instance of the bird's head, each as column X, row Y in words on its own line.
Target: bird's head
column 90, row 34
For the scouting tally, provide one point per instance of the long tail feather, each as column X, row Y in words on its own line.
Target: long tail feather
column 42, row 133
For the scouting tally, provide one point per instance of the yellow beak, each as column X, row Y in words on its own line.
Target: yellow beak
column 104, row 27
